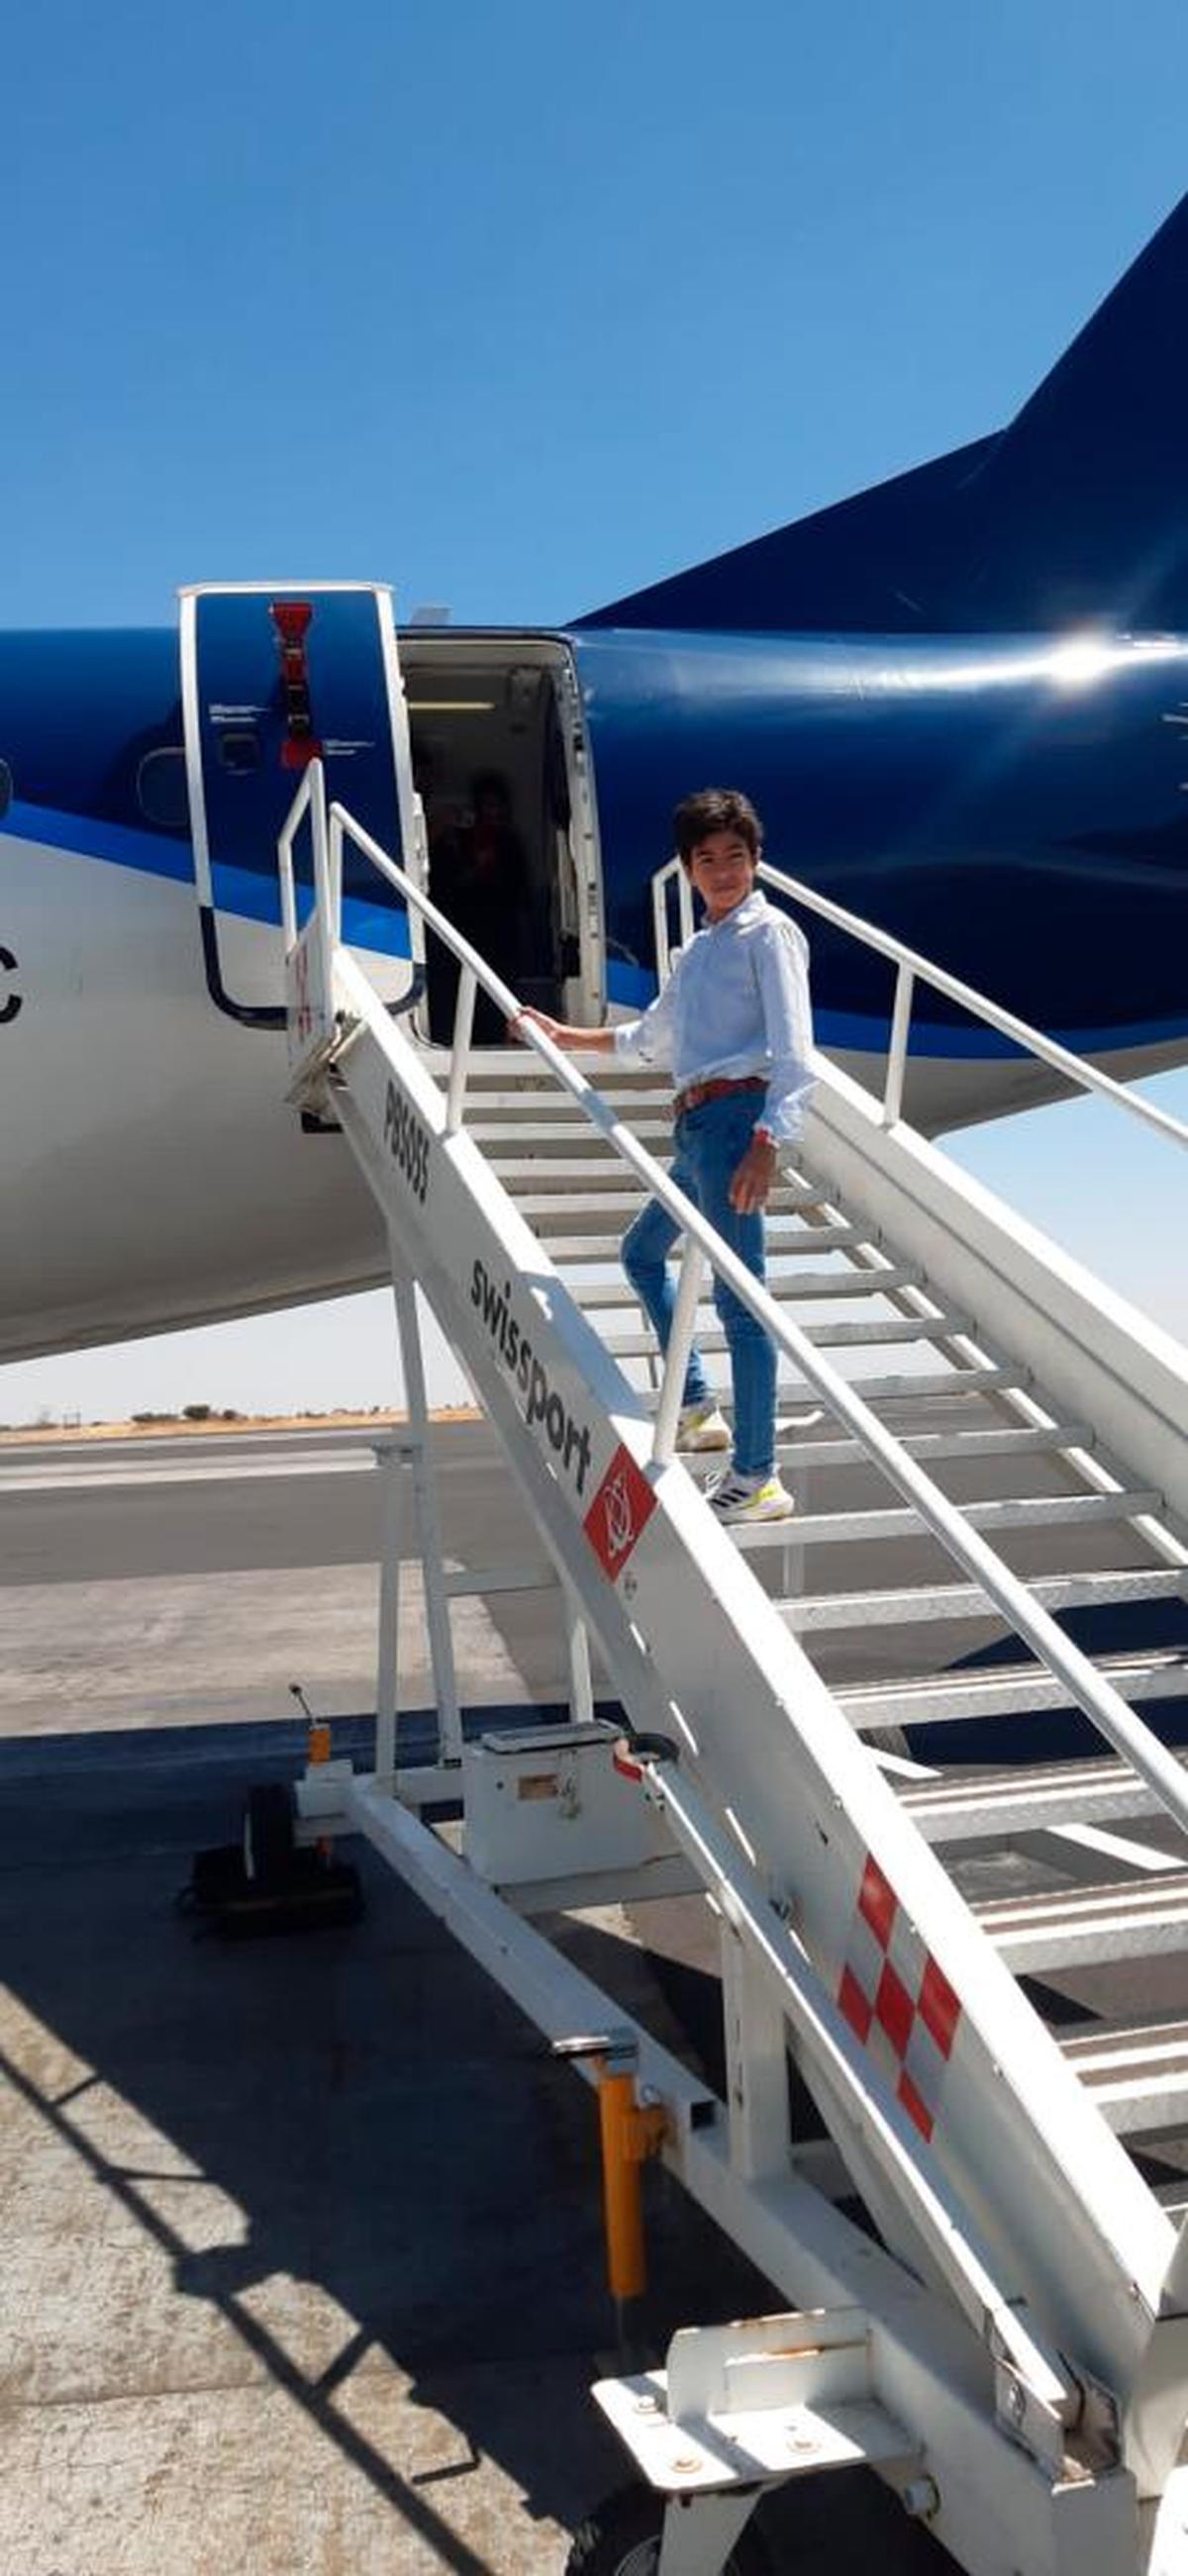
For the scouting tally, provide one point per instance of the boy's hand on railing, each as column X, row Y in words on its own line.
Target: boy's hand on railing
column 564, row 1033
column 540, row 1020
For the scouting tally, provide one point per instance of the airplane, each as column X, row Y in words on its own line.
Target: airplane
column 958, row 699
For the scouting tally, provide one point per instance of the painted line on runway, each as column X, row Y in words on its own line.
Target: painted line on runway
column 216, row 1471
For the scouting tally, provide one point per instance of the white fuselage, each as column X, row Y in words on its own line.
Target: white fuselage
column 151, row 1172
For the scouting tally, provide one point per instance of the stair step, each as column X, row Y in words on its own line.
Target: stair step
column 1137, row 2076
column 514, row 1064
column 539, row 1104
column 539, row 1143
column 1027, row 1798
column 896, row 1389
column 569, row 1212
column 525, row 1175
column 984, row 1378
column 835, row 1337
column 931, row 1446
column 1007, row 1512
column 528, row 1179
column 784, row 1236
column 616, row 1197
column 1080, row 1926
column 902, row 1609
column 494, row 1063
column 807, row 1284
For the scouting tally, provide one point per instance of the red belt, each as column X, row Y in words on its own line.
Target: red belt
column 699, row 1092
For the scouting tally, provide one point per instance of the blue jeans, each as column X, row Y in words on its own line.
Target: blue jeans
column 710, row 1144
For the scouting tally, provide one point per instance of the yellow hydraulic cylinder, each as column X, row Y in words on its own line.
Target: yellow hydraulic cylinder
column 318, row 1750
column 631, row 2131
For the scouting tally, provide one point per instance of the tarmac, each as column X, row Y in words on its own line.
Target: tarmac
column 167, row 1582
column 303, row 2257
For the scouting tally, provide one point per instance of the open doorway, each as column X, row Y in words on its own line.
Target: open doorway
column 500, row 765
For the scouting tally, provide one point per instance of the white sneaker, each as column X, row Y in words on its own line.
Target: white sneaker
column 702, row 1426
column 749, row 1498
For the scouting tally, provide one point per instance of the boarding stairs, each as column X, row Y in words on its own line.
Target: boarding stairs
column 980, row 1971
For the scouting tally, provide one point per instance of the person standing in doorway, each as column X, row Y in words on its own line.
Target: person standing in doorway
column 734, row 1025
column 478, row 875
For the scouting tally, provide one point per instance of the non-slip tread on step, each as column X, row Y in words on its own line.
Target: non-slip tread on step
column 525, row 1175
column 940, row 1699
column 567, row 1212
column 1083, row 1926
column 567, row 1249
column 785, row 1237
column 899, row 1387
column 1008, row 1512
column 517, row 1064
column 926, row 1603
column 836, row 1337
column 614, row 1295
column 533, row 1146
column 1027, row 1798
column 550, row 1108
column 533, row 1133
column 1136, row 2074
column 527, row 1178
column 937, row 1446
column 793, row 1392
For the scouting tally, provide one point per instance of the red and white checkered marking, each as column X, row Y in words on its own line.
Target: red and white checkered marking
column 895, row 1998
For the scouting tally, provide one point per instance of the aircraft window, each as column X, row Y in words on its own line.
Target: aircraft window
column 5, row 787
column 240, row 752
column 161, row 790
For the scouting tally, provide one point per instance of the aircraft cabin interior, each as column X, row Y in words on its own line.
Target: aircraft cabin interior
column 499, row 764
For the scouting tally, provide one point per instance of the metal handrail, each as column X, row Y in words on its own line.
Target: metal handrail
column 914, row 968
column 1100, row 1702
column 327, row 888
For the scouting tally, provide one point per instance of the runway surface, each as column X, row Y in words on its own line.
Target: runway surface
column 167, row 1582
column 303, row 2255
column 304, row 2241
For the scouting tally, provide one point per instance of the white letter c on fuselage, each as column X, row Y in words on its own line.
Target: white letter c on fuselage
column 12, row 1002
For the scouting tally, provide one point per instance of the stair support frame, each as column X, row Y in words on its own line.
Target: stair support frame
column 1036, row 2382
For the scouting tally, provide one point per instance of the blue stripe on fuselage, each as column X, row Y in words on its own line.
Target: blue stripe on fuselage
column 244, row 896
column 251, row 898
column 88, row 837
column 865, row 1033
column 247, row 897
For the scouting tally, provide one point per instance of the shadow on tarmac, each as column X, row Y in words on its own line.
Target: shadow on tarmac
column 390, row 2129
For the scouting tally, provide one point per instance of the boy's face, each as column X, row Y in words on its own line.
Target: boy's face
column 722, row 870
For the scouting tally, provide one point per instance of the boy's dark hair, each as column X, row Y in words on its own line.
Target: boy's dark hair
column 715, row 809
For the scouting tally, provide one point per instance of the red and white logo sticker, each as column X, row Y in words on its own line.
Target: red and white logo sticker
column 896, row 1999
column 619, row 1513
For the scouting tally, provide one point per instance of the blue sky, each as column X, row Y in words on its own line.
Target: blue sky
column 522, row 308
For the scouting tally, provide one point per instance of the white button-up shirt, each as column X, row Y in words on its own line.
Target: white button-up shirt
column 736, row 1003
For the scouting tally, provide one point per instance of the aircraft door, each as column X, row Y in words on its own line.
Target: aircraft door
column 273, row 676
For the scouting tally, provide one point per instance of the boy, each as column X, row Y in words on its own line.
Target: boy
column 733, row 1023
